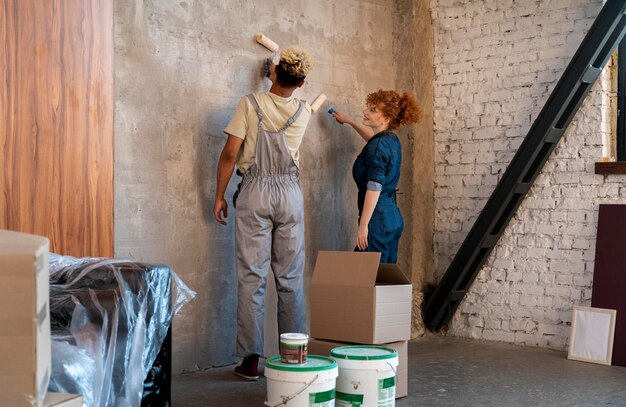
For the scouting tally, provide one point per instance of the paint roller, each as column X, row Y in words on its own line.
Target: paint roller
column 267, row 43
column 317, row 103
column 272, row 46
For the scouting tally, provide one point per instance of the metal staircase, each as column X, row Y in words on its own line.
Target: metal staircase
column 569, row 93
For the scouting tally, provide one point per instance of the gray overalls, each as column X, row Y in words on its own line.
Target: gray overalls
column 269, row 223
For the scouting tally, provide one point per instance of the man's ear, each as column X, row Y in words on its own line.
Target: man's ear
column 301, row 83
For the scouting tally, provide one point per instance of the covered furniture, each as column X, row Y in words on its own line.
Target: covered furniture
column 111, row 329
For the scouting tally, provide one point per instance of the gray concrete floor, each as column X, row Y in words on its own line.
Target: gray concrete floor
column 446, row 371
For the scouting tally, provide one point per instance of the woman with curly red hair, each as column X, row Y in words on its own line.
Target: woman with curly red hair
column 376, row 170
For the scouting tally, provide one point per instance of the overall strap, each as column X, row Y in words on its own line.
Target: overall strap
column 293, row 118
column 255, row 104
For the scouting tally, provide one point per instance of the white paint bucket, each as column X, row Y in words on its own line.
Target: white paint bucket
column 309, row 384
column 293, row 347
column 367, row 376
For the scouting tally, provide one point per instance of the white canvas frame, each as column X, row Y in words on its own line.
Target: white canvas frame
column 592, row 334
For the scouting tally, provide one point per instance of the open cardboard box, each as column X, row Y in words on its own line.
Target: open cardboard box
column 356, row 299
column 63, row 400
column 24, row 319
column 323, row 348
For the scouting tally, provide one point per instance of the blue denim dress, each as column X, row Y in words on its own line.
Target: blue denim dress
column 378, row 168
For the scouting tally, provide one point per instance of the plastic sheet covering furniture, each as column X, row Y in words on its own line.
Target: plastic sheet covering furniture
column 111, row 329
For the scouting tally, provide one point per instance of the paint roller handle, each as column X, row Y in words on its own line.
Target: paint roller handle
column 286, row 399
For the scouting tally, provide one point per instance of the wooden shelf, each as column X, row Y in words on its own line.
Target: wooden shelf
column 611, row 167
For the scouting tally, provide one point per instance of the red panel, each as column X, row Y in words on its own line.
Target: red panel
column 609, row 275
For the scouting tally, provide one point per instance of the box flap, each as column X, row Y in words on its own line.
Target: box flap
column 393, row 313
column 61, row 399
column 342, row 312
column 19, row 243
column 346, row 268
column 391, row 274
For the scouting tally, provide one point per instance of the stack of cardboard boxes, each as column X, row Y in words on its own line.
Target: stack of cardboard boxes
column 357, row 300
column 25, row 324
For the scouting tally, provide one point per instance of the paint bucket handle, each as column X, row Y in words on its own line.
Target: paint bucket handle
column 288, row 398
column 394, row 371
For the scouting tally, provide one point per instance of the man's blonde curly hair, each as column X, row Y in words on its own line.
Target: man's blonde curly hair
column 296, row 61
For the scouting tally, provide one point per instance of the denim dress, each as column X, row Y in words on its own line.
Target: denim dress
column 378, row 168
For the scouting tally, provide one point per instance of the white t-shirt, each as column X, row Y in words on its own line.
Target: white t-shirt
column 277, row 111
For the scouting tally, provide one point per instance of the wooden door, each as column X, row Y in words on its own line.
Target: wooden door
column 56, row 122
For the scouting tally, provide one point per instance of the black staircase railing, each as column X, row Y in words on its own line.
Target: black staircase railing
column 569, row 93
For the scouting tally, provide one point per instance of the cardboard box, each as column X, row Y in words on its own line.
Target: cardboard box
column 63, row 400
column 323, row 348
column 24, row 319
column 356, row 299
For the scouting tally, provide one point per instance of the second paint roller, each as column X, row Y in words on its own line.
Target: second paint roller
column 317, row 103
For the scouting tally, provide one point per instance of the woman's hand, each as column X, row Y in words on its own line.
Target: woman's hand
column 361, row 237
column 365, row 132
column 341, row 118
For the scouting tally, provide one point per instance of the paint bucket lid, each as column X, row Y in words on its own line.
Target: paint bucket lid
column 313, row 363
column 363, row 352
column 294, row 338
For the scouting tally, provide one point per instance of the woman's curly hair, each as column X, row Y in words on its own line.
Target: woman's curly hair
column 400, row 110
column 295, row 64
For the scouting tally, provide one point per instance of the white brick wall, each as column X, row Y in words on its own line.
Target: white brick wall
column 496, row 62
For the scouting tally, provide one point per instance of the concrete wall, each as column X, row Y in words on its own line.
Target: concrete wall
column 496, row 62
column 413, row 56
column 181, row 67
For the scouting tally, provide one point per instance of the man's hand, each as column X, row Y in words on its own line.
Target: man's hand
column 220, row 207
column 272, row 68
column 225, row 168
column 269, row 69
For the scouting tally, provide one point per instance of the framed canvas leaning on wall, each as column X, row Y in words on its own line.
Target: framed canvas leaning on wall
column 592, row 333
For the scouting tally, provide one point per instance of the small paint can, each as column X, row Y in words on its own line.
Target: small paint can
column 293, row 348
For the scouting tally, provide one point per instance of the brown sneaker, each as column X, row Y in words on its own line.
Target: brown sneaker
column 249, row 368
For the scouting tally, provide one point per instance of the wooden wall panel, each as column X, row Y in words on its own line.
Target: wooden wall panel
column 56, row 133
